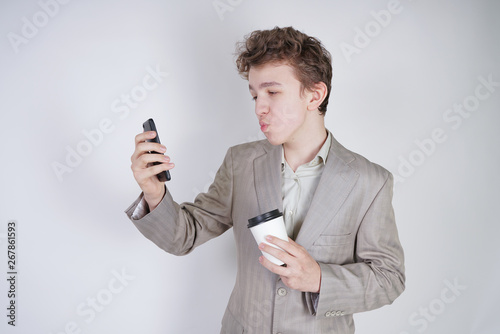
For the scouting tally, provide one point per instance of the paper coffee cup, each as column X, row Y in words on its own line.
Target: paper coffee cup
column 269, row 223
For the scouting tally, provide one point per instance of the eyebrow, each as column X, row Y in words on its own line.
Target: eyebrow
column 266, row 84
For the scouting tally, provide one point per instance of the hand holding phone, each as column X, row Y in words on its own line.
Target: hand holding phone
column 149, row 125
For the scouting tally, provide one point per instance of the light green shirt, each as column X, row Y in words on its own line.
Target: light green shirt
column 298, row 188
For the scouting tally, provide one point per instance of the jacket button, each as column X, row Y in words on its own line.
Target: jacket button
column 282, row 292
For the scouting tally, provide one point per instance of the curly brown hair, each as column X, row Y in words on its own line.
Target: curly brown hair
column 306, row 55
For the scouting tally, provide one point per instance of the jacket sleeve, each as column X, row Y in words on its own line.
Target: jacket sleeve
column 376, row 277
column 179, row 228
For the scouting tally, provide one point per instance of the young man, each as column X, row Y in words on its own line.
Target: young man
column 343, row 254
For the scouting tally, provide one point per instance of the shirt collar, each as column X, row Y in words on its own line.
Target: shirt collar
column 325, row 149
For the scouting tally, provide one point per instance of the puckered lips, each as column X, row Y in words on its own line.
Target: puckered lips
column 263, row 126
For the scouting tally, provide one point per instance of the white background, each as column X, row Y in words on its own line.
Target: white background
column 63, row 78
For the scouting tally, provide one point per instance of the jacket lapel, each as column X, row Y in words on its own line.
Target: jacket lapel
column 268, row 178
column 337, row 181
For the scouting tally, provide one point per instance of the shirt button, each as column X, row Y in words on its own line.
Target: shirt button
column 338, row 313
column 282, row 292
column 328, row 314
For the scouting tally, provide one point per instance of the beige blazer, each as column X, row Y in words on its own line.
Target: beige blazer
column 349, row 229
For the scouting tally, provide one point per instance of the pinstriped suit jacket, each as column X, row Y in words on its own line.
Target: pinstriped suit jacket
column 349, row 229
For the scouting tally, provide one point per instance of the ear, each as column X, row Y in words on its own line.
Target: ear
column 317, row 95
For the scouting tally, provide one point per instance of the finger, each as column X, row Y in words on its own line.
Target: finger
column 289, row 246
column 146, row 147
column 274, row 268
column 277, row 253
column 143, row 136
column 150, row 172
column 146, row 159
column 149, row 146
column 154, row 168
column 160, row 167
column 157, row 169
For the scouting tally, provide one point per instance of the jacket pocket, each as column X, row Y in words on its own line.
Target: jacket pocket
column 333, row 249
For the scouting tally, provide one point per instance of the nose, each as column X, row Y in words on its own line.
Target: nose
column 261, row 108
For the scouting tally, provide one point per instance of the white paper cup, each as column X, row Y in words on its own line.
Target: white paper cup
column 269, row 223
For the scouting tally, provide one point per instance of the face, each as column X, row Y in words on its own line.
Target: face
column 279, row 104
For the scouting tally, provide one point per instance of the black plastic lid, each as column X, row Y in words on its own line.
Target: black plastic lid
column 264, row 218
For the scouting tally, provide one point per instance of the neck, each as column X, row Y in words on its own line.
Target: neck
column 303, row 150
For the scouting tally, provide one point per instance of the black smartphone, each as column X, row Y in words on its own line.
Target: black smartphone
column 149, row 125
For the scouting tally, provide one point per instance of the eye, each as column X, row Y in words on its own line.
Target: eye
column 272, row 93
column 254, row 98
